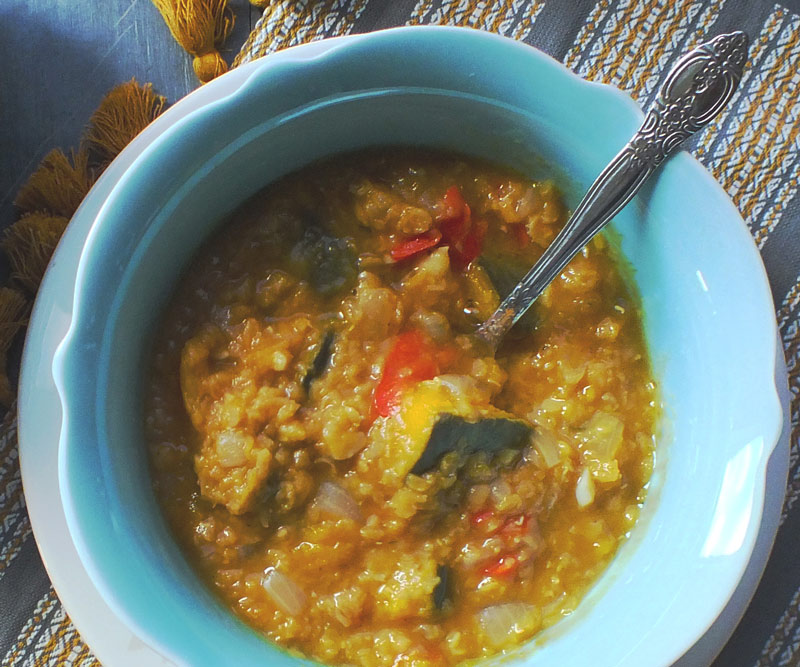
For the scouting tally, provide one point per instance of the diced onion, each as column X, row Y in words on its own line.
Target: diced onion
column 602, row 435
column 335, row 500
column 459, row 385
column 232, row 448
column 501, row 490
column 584, row 489
column 289, row 597
column 547, row 446
column 502, row 623
column 572, row 375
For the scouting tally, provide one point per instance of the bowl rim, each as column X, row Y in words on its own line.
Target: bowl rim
column 262, row 65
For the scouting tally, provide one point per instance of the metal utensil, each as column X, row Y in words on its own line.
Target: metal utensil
column 695, row 90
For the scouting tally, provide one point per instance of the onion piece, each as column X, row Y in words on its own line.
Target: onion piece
column 289, row 597
column 547, row 446
column 503, row 623
column 584, row 489
column 232, row 447
column 458, row 385
column 335, row 500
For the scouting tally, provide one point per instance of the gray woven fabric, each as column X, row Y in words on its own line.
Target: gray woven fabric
column 753, row 150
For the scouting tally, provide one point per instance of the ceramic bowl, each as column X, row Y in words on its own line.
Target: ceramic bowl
column 707, row 310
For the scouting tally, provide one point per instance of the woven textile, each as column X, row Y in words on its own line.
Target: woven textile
column 753, row 150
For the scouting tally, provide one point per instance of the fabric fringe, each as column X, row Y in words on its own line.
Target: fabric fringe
column 14, row 311
column 58, row 185
column 29, row 244
column 201, row 27
column 51, row 196
column 123, row 113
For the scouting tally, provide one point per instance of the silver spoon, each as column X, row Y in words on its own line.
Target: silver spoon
column 695, row 90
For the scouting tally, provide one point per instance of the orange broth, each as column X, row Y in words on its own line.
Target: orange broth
column 318, row 347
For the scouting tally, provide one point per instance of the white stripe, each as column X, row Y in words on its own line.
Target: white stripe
column 790, row 657
column 586, row 35
column 16, row 530
column 754, row 70
column 589, row 59
column 791, row 337
column 790, row 304
column 679, row 42
column 44, row 608
column 777, row 640
column 279, row 20
column 773, row 215
column 49, row 630
column 764, row 142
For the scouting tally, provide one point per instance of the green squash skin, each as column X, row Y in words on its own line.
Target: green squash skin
column 453, row 433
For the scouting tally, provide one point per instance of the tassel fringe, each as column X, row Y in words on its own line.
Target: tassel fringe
column 51, row 196
column 201, row 28
column 14, row 310
column 58, row 186
column 123, row 113
column 29, row 244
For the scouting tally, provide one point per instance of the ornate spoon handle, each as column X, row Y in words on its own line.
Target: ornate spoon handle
column 695, row 90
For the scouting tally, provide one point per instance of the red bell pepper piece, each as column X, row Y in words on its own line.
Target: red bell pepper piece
column 416, row 244
column 481, row 518
column 455, row 207
column 412, row 359
column 472, row 246
column 520, row 234
column 516, row 525
column 504, row 566
column 460, row 232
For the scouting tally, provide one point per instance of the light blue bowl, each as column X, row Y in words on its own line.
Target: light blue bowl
column 707, row 306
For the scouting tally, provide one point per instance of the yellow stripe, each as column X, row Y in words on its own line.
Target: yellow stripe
column 773, row 215
column 764, row 133
column 57, row 634
column 43, row 608
column 677, row 19
column 587, row 32
column 646, row 30
column 639, row 81
column 523, row 28
column 641, row 27
column 753, row 198
column 71, row 646
column 420, row 9
column 790, row 108
column 289, row 22
column 611, row 40
column 790, row 303
column 85, row 657
column 492, row 16
column 757, row 103
column 12, row 547
column 756, row 52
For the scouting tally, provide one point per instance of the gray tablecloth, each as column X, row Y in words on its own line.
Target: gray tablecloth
column 753, row 150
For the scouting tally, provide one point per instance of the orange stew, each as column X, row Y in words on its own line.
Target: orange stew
column 346, row 466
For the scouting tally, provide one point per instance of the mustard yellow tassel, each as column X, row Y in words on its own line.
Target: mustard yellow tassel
column 29, row 244
column 201, row 27
column 14, row 309
column 123, row 113
column 58, row 185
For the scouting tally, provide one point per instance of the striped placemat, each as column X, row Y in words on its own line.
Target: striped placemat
column 752, row 150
